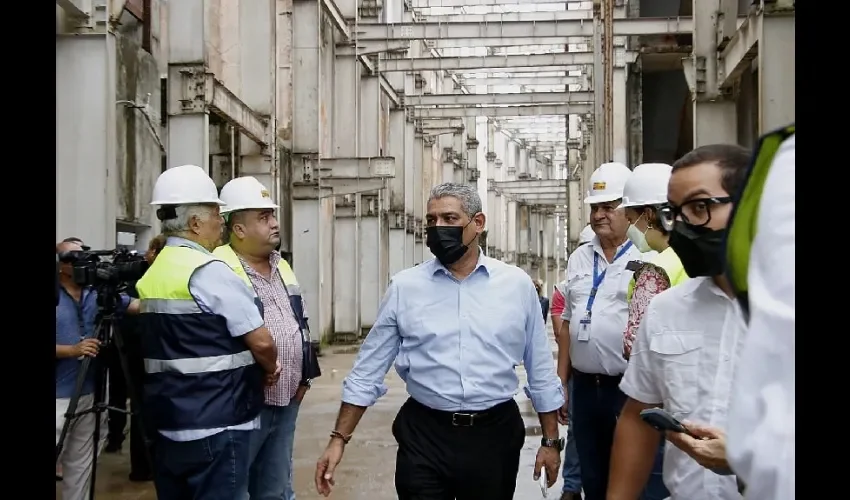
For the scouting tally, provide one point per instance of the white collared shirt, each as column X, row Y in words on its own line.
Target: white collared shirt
column 762, row 413
column 602, row 353
column 684, row 358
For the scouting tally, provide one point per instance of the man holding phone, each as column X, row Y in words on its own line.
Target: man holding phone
column 688, row 342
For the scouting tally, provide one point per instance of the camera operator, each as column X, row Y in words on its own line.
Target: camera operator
column 75, row 338
column 140, row 468
column 205, row 346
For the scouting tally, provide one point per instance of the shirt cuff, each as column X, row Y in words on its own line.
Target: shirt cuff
column 358, row 394
column 548, row 399
column 245, row 326
column 639, row 395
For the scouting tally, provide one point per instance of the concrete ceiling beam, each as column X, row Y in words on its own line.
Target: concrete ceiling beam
column 497, row 112
column 513, row 99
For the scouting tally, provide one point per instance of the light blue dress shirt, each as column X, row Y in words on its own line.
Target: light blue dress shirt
column 456, row 344
column 218, row 290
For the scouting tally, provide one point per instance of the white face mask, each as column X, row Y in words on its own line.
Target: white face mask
column 638, row 238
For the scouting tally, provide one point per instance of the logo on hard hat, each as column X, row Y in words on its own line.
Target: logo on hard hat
column 265, row 194
column 598, row 186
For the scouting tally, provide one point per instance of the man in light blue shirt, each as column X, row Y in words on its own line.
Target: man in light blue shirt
column 457, row 327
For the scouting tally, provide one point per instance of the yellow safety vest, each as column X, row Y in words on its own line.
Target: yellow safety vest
column 198, row 376
column 744, row 218
column 226, row 253
column 672, row 265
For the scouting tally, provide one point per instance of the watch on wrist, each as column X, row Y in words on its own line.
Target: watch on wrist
column 558, row 444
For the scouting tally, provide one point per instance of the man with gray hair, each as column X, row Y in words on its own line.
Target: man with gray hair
column 456, row 326
column 205, row 348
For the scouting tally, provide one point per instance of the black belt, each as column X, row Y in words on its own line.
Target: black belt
column 465, row 418
column 599, row 379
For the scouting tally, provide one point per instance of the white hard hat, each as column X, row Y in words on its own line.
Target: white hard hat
column 647, row 185
column 586, row 235
column 606, row 183
column 185, row 185
column 245, row 193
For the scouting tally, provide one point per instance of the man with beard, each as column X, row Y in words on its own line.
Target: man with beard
column 253, row 235
column 456, row 326
column 687, row 344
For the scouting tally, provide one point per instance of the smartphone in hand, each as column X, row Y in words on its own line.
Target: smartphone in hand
column 662, row 421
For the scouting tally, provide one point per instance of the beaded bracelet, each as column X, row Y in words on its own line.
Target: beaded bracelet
column 337, row 434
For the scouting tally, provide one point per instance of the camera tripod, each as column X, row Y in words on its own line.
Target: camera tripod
column 109, row 335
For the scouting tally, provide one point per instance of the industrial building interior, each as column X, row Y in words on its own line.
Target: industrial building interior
column 351, row 110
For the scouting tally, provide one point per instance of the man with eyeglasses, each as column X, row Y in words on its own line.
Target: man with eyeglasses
column 687, row 345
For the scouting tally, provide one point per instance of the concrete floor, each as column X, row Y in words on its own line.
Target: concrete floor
column 366, row 472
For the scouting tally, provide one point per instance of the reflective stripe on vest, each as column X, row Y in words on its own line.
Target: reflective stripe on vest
column 228, row 255
column 744, row 218
column 672, row 265
column 198, row 375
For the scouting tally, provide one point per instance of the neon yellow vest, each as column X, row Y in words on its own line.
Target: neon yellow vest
column 168, row 277
column 226, row 253
column 742, row 224
column 672, row 265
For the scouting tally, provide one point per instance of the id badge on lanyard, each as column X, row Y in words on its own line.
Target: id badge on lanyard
column 584, row 323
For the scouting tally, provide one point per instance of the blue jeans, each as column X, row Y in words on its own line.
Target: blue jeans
column 572, row 468
column 598, row 402
column 213, row 468
column 271, row 454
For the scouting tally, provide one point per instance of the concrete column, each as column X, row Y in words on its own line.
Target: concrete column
column 523, row 237
column 86, row 205
column 776, row 75
column 549, row 250
column 312, row 216
column 492, row 208
column 471, row 174
column 458, row 149
column 412, row 154
column 501, row 214
column 447, row 152
column 621, row 120
column 370, row 244
column 188, row 132
column 715, row 117
column 257, row 89
column 422, row 160
column 512, row 231
column 396, row 216
column 522, row 167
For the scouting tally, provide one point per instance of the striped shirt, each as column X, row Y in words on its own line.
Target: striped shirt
column 283, row 326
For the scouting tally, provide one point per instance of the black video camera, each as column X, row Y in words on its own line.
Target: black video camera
column 90, row 270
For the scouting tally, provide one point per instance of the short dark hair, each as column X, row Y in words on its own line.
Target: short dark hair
column 733, row 161
column 157, row 243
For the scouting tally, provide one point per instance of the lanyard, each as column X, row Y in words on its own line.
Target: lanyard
column 598, row 277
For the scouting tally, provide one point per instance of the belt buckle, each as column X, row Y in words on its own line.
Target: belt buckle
column 462, row 419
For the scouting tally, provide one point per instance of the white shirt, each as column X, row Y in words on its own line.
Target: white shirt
column 602, row 353
column 684, row 358
column 762, row 413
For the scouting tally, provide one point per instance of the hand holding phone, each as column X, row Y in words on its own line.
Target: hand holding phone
column 662, row 421
column 544, row 483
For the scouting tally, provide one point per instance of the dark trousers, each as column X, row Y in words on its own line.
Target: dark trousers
column 439, row 460
column 597, row 405
column 118, row 394
column 213, row 468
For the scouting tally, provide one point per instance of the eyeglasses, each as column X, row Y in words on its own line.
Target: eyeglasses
column 694, row 212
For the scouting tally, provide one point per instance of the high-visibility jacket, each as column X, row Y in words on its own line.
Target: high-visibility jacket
column 672, row 265
column 198, row 376
column 226, row 253
column 310, row 365
column 742, row 225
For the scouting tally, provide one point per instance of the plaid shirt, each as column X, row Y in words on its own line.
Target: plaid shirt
column 283, row 326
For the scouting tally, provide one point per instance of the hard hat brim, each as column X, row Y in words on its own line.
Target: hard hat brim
column 601, row 198
column 629, row 204
column 255, row 206
column 215, row 201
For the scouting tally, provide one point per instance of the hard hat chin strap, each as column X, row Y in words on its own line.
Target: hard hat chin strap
column 166, row 212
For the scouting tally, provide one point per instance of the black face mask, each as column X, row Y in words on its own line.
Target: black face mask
column 700, row 249
column 446, row 243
